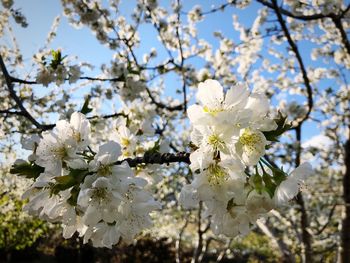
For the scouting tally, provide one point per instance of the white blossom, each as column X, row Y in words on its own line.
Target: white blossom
column 290, row 187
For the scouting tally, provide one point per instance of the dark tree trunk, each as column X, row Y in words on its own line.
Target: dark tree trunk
column 307, row 253
column 345, row 234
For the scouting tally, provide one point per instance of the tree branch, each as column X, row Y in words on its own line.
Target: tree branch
column 306, row 237
column 161, row 105
column 295, row 49
column 278, row 243
column 338, row 24
column 18, row 101
column 158, row 158
column 345, row 232
column 305, row 17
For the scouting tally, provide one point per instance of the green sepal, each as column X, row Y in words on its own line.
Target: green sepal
column 56, row 58
column 270, row 186
column 75, row 177
column 256, row 182
column 282, row 126
column 27, row 169
column 73, row 199
column 86, row 109
column 278, row 175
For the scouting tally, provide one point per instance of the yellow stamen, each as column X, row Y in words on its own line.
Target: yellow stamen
column 217, row 175
column 212, row 112
column 215, row 141
column 125, row 142
column 250, row 140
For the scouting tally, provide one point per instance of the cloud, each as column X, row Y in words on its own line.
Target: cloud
column 318, row 141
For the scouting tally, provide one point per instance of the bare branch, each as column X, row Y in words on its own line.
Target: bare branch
column 178, row 244
column 295, row 49
column 158, row 158
column 283, row 248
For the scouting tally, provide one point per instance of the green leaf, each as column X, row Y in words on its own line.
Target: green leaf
column 56, row 55
column 279, row 175
column 73, row 199
column 74, row 178
column 256, row 181
column 282, row 126
column 56, row 58
column 85, row 109
column 27, row 169
column 270, row 186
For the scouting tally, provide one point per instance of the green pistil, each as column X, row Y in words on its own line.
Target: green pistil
column 215, row 141
column 99, row 194
column 60, row 152
column 217, row 174
column 250, row 139
column 105, row 170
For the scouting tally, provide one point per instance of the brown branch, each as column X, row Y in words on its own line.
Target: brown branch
column 304, row 17
column 336, row 18
column 306, row 237
column 222, row 254
column 200, row 232
column 182, row 58
column 118, row 114
column 345, row 232
column 295, row 49
column 22, row 81
column 330, row 215
column 178, row 243
column 18, row 101
column 338, row 24
column 215, row 9
column 158, row 158
column 278, row 243
column 161, row 105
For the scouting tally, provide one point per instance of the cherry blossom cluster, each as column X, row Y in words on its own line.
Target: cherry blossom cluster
column 231, row 131
column 94, row 194
column 99, row 196
column 57, row 70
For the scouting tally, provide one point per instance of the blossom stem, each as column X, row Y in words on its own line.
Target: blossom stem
column 267, row 164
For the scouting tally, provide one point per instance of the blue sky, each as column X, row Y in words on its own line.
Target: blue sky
column 40, row 15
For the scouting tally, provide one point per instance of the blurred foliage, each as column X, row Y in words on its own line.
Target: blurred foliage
column 18, row 230
column 255, row 247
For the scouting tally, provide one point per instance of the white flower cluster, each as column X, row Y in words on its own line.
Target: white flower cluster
column 58, row 75
column 86, row 191
column 228, row 131
column 57, row 71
